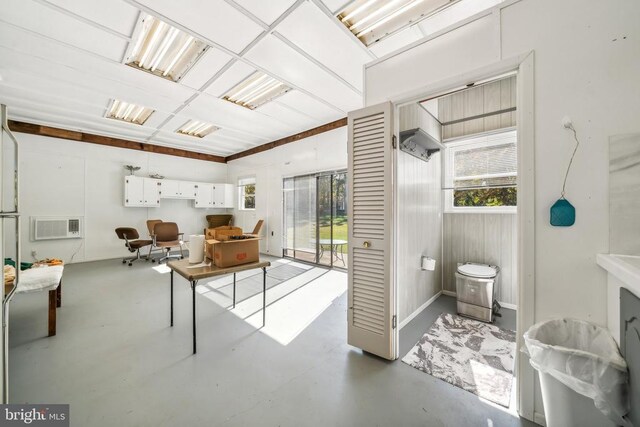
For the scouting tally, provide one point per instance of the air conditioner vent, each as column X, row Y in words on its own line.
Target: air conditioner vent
column 48, row 228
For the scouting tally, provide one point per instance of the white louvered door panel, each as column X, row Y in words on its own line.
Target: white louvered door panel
column 371, row 304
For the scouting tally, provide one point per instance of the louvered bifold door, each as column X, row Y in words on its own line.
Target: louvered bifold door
column 371, row 305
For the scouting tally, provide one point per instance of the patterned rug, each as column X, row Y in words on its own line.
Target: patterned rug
column 475, row 356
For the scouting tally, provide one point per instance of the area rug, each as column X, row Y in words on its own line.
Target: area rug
column 475, row 356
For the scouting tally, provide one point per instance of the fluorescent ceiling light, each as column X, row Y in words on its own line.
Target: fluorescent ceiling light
column 127, row 112
column 197, row 128
column 372, row 20
column 163, row 50
column 256, row 90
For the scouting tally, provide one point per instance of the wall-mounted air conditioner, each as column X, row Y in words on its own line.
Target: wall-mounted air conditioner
column 49, row 228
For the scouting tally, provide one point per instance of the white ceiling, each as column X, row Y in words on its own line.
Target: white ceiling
column 61, row 61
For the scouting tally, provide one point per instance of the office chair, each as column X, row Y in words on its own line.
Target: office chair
column 166, row 236
column 133, row 242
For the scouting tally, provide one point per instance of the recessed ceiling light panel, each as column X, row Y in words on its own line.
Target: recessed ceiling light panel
column 372, row 20
column 163, row 50
column 197, row 128
column 127, row 112
column 256, row 90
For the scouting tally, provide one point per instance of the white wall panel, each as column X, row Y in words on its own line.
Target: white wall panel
column 327, row 151
column 485, row 238
column 475, row 45
column 419, row 231
column 396, row 41
column 88, row 181
column 312, row 31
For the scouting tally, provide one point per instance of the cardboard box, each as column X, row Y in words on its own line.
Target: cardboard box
column 229, row 253
column 217, row 233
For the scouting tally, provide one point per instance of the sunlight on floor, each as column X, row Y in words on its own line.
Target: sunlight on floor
column 483, row 375
column 292, row 304
column 162, row 268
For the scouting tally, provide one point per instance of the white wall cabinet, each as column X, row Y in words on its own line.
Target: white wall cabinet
column 222, row 195
column 139, row 191
column 213, row 196
column 147, row 192
column 172, row 189
column 204, row 196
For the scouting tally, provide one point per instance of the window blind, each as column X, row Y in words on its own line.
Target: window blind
column 488, row 161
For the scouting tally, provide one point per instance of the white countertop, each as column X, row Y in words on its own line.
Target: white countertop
column 625, row 267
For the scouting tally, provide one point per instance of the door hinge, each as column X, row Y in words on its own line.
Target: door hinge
column 394, row 321
column 393, row 141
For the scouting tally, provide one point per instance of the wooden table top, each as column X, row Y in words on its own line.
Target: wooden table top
column 181, row 267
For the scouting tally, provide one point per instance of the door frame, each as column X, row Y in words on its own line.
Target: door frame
column 317, row 175
column 525, row 111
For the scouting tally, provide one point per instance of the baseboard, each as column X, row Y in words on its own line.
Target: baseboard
column 539, row 418
column 419, row 310
column 508, row 305
column 503, row 304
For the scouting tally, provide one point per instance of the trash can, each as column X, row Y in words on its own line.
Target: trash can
column 583, row 377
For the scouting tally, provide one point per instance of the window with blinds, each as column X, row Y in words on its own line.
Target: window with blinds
column 482, row 172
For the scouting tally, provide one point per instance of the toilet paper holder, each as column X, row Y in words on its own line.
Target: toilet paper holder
column 427, row 263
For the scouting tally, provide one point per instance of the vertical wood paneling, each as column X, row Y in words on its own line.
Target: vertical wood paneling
column 470, row 102
column 484, row 238
column 491, row 103
column 419, row 231
column 473, row 106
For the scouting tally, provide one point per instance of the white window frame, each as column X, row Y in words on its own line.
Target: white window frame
column 486, row 140
column 242, row 182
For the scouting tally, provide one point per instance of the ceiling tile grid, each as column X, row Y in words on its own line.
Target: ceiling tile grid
column 62, row 63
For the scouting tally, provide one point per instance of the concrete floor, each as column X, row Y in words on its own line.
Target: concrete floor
column 117, row 362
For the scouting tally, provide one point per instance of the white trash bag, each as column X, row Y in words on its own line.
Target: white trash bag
column 585, row 358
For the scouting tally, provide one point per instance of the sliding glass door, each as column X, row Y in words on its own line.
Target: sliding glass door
column 315, row 218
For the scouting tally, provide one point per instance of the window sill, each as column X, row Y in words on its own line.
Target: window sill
column 478, row 210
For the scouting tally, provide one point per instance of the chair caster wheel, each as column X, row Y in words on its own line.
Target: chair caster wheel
column 130, row 264
column 124, row 261
column 181, row 257
column 153, row 260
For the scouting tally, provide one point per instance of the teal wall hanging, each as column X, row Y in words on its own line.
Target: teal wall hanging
column 562, row 213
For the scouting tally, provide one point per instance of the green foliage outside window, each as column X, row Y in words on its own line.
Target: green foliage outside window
column 506, row 196
column 249, row 196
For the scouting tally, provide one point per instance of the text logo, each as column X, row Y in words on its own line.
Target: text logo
column 34, row 415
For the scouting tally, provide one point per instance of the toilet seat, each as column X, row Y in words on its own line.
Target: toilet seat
column 482, row 271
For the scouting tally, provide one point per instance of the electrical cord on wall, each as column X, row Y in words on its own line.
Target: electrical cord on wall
column 76, row 252
column 569, row 125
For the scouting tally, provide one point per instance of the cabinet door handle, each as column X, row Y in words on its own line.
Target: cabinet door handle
column 366, row 244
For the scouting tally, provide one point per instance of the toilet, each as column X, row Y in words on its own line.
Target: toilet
column 475, row 287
